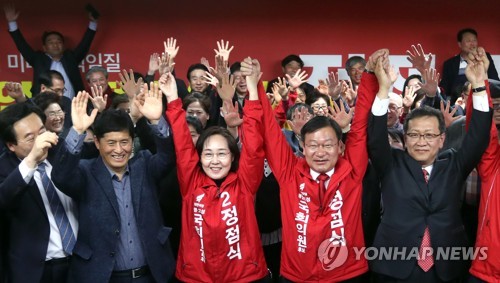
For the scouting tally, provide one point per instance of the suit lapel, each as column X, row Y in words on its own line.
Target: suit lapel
column 415, row 170
column 103, row 178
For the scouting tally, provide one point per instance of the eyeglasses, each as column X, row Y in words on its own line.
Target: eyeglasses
column 394, row 107
column 325, row 147
column 220, row 155
column 58, row 90
column 318, row 107
column 55, row 114
column 427, row 137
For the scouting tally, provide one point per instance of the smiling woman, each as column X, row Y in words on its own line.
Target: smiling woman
column 49, row 103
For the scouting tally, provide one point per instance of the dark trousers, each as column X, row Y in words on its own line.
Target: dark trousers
column 363, row 278
column 474, row 279
column 55, row 271
column 417, row 276
column 272, row 253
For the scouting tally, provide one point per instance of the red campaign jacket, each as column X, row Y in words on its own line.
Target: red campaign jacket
column 220, row 240
column 488, row 231
column 342, row 201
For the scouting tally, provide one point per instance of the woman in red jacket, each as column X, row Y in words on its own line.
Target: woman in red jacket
column 220, row 241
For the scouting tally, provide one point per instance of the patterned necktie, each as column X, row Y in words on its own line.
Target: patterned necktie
column 67, row 235
column 426, row 261
column 322, row 188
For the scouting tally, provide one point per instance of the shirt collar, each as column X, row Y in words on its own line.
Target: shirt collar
column 315, row 174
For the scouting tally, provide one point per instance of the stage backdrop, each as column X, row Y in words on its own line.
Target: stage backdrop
column 324, row 33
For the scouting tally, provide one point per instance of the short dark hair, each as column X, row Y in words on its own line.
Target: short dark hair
column 49, row 33
column 289, row 112
column 195, row 122
column 113, row 120
column 45, row 99
column 46, row 77
column 204, row 101
column 315, row 96
column 235, row 67
column 119, row 99
column 425, row 111
column 231, row 144
column 14, row 113
column 290, row 58
column 319, row 122
column 353, row 61
column 461, row 33
column 197, row 66
column 396, row 134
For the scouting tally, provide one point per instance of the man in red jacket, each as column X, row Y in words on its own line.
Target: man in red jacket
column 488, row 269
column 321, row 193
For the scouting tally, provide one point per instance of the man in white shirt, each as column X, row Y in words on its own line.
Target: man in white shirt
column 42, row 225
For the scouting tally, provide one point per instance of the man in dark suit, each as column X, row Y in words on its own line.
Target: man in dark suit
column 290, row 65
column 54, row 55
column 121, row 235
column 36, row 250
column 421, row 189
column 453, row 76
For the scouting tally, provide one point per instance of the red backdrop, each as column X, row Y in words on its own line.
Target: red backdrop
column 323, row 33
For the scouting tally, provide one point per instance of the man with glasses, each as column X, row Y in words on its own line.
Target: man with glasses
column 395, row 110
column 321, row 193
column 421, row 188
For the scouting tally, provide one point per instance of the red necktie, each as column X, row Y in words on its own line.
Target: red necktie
column 322, row 188
column 425, row 261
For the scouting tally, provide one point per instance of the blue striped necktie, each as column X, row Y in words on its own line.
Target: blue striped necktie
column 67, row 235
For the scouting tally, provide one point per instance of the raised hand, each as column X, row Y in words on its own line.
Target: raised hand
column 480, row 55
column 211, row 79
column 372, row 60
column 168, row 86
column 431, row 80
column 11, row 14
column 383, row 77
column 171, row 47
column 418, row 58
column 334, row 85
column 410, row 94
column 223, row 50
column 393, row 74
column 250, row 68
column 221, row 67
column 166, row 64
column 231, row 114
column 475, row 73
column 152, row 106
column 281, row 88
column 339, row 115
column 154, row 63
column 81, row 120
column 40, row 148
column 226, row 88
column 299, row 78
column 299, row 119
column 349, row 93
column 15, row 91
column 135, row 114
column 322, row 87
column 97, row 98
column 129, row 85
column 204, row 61
column 448, row 116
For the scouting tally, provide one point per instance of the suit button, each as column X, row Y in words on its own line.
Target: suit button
column 117, row 232
column 112, row 254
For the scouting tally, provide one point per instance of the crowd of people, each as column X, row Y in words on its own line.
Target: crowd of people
column 225, row 180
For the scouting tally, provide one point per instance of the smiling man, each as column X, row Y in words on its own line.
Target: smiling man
column 421, row 189
column 453, row 77
column 121, row 234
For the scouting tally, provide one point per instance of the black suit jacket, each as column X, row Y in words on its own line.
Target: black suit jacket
column 450, row 79
column 89, row 183
column 41, row 62
column 410, row 204
column 28, row 225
